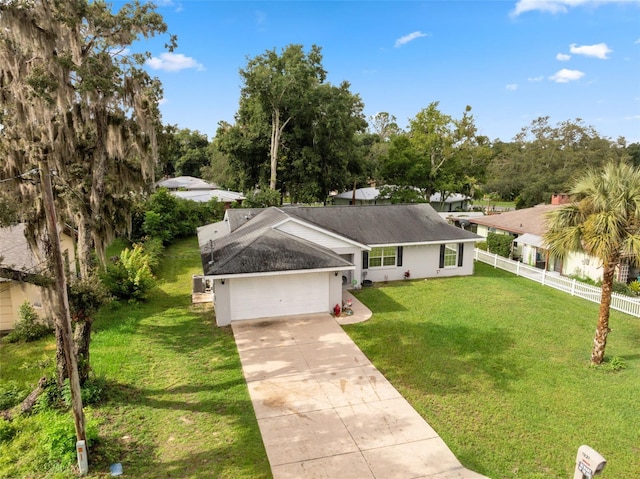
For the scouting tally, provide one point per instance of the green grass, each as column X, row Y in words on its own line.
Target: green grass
column 499, row 367
column 177, row 403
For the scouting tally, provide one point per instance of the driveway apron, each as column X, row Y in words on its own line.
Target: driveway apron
column 325, row 411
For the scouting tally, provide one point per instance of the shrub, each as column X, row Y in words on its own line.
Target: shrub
column 7, row 430
column 167, row 217
column 29, row 327
column 154, row 248
column 58, row 439
column 612, row 365
column 499, row 244
column 130, row 277
column 634, row 287
column 621, row 288
column 262, row 199
column 92, row 391
column 11, row 394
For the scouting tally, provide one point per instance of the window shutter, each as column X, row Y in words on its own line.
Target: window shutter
column 460, row 252
column 365, row 260
column 441, row 256
column 399, row 256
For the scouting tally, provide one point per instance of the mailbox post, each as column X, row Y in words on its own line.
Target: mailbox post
column 589, row 463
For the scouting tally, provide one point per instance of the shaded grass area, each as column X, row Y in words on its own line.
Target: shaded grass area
column 177, row 404
column 499, row 366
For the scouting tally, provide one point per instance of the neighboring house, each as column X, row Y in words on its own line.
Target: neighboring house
column 371, row 196
column 527, row 227
column 296, row 260
column 195, row 189
column 229, row 198
column 189, row 183
column 17, row 259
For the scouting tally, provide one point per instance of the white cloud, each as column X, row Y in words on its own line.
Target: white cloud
column 169, row 3
column 634, row 117
column 637, row 42
column 563, row 57
column 599, row 50
column 408, row 38
column 535, row 79
column 163, row 101
column 555, row 6
column 260, row 16
column 173, row 62
column 512, row 86
column 565, row 76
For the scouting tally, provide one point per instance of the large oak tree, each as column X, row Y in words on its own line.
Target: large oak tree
column 74, row 97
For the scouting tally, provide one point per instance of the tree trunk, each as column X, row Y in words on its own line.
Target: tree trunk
column 275, row 140
column 276, row 134
column 602, row 330
column 82, row 340
column 62, row 372
column 85, row 246
column 27, row 405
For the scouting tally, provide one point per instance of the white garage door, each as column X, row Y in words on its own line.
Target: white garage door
column 284, row 295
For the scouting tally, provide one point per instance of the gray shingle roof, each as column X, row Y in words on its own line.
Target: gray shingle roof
column 14, row 249
column 384, row 224
column 255, row 247
column 252, row 245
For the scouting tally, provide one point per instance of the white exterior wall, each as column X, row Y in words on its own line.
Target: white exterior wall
column 222, row 302
column 483, row 231
column 422, row 261
column 264, row 296
column 313, row 235
column 335, row 244
column 582, row 265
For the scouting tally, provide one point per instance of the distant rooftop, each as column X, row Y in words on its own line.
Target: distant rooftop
column 187, row 183
column 371, row 193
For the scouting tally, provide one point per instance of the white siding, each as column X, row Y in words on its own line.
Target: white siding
column 423, row 262
column 315, row 236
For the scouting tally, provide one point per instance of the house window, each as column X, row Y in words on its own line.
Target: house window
column 385, row 256
column 451, row 255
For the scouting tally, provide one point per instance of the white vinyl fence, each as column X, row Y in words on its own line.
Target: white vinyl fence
column 619, row 302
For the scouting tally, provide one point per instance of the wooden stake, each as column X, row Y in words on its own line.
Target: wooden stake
column 62, row 316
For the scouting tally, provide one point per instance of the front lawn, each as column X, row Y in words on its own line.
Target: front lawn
column 177, row 404
column 499, row 367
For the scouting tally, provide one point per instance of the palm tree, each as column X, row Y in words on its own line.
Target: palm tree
column 603, row 221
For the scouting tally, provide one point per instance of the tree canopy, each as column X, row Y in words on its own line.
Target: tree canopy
column 546, row 159
column 438, row 154
column 292, row 130
column 73, row 96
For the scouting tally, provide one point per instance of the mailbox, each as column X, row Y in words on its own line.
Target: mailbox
column 589, row 463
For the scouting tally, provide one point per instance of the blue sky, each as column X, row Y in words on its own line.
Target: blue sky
column 511, row 61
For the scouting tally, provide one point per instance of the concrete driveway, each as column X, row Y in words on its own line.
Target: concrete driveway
column 325, row 411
